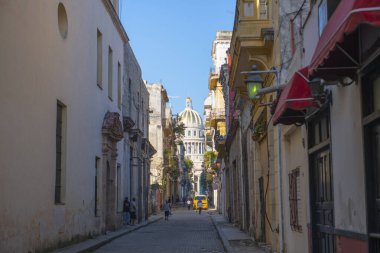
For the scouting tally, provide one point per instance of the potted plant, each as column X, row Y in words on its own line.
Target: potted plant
column 258, row 131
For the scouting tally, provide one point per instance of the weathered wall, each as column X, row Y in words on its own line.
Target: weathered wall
column 37, row 68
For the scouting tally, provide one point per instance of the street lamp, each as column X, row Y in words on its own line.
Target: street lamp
column 254, row 83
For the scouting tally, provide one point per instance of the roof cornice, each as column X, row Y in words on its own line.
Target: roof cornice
column 115, row 19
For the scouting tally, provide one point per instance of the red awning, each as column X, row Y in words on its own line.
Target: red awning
column 294, row 99
column 344, row 21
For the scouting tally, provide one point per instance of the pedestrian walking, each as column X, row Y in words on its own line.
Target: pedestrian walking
column 199, row 204
column 167, row 210
column 132, row 210
column 126, row 210
column 188, row 204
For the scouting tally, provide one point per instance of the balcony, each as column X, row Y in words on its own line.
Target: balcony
column 252, row 41
column 220, row 140
column 213, row 81
column 217, row 115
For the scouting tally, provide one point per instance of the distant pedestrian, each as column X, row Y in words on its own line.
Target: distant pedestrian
column 167, row 210
column 132, row 210
column 126, row 210
column 199, row 204
column 188, row 204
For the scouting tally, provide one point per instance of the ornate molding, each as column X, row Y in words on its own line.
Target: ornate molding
column 112, row 126
column 128, row 123
column 135, row 135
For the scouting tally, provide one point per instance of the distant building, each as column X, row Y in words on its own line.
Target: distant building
column 193, row 140
column 159, row 127
column 214, row 111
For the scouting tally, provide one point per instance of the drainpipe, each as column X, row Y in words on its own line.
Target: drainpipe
column 242, row 200
column 281, row 230
column 280, row 190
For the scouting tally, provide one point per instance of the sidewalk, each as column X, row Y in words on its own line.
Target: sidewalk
column 233, row 239
column 92, row 244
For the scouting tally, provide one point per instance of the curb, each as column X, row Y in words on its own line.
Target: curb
column 99, row 242
column 108, row 240
column 222, row 237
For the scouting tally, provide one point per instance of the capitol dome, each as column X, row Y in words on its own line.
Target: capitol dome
column 189, row 117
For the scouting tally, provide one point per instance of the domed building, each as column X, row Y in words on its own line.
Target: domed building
column 193, row 140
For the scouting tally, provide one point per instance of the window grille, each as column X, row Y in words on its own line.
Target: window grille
column 295, row 199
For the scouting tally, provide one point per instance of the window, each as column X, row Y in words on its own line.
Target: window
column 295, row 199
column 188, row 133
column 322, row 16
column 62, row 20
column 143, row 114
column 119, row 85
column 130, row 96
column 97, row 172
column 325, row 11
column 110, row 73
column 60, row 153
column 371, row 124
column 118, row 189
column 248, row 9
column 195, row 133
column 99, row 58
column 371, row 92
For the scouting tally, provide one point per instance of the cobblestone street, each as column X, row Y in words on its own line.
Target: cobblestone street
column 185, row 232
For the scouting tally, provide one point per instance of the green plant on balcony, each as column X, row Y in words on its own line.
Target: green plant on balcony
column 258, row 131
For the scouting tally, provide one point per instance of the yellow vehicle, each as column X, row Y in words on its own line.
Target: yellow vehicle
column 202, row 198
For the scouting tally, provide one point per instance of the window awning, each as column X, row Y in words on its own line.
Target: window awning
column 335, row 54
column 294, row 99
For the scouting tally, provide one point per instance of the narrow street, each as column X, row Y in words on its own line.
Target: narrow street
column 185, row 232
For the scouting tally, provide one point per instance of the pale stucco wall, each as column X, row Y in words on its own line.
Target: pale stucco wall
column 346, row 145
column 157, row 105
column 37, row 68
column 347, row 160
column 295, row 154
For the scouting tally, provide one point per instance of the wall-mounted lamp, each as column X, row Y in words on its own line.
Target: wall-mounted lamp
column 254, row 83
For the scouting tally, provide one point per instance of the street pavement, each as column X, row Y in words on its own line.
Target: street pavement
column 185, row 232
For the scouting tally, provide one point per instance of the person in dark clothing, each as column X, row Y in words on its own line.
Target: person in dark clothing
column 127, row 215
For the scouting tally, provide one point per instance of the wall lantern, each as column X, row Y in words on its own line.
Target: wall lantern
column 254, row 83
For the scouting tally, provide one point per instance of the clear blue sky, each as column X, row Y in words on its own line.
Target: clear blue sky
column 172, row 41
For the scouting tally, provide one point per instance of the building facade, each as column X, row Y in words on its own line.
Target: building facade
column 67, row 99
column 306, row 144
column 215, row 113
column 159, row 128
column 193, row 141
column 137, row 147
column 82, row 124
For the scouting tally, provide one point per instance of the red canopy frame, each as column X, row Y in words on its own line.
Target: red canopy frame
column 345, row 20
column 294, row 99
